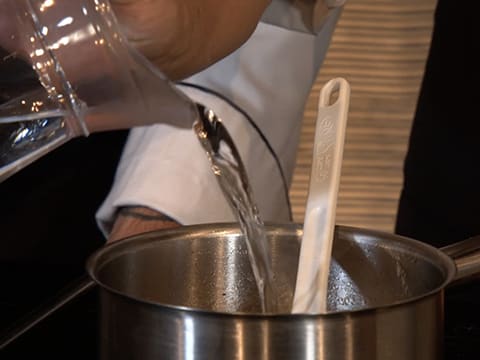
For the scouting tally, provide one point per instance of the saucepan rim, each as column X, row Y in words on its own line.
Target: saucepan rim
column 111, row 251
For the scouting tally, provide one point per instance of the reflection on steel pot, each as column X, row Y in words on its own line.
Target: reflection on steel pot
column 189, row 293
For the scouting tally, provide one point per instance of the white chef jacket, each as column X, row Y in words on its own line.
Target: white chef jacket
column 259, row 92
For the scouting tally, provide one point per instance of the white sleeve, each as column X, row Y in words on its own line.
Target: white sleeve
column 301, row 15
column 259, row 91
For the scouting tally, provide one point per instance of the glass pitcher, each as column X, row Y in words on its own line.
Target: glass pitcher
column 66, row 70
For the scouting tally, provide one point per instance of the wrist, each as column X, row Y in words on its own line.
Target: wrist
column 136, row 220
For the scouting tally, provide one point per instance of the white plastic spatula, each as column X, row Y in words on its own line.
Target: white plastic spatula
column 318, row 229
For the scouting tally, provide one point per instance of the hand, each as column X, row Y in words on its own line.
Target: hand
column 132, row 221
column 182, row 37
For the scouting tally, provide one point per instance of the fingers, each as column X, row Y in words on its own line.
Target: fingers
column 160, row 30
column 184, row 37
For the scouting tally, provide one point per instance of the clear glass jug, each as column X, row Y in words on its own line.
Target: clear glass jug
column 66, row 70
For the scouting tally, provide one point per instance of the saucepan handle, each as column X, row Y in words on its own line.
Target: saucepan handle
column 74, row 290
column 466, row 255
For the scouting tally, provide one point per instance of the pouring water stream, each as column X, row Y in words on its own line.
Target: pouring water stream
column 232, row 177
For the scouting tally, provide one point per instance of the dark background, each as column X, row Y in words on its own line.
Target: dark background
column 48, row 230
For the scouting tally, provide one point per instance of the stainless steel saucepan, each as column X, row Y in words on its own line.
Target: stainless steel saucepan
column 189, row 293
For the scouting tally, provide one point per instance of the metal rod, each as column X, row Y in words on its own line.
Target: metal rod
column 19, row 328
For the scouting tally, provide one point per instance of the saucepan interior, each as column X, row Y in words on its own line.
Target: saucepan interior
column 207, row 267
